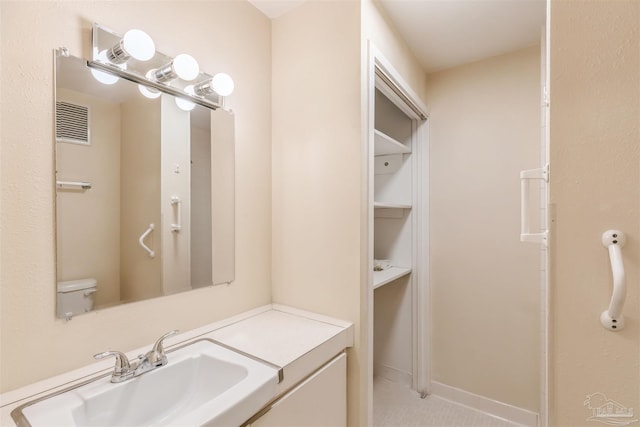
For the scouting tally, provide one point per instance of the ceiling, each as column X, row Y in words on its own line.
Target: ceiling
column 275, row 8
column 446, row 33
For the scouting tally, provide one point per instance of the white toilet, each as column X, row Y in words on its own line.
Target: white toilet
column 75, row 297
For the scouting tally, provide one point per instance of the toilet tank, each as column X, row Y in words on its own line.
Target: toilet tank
column 75, row 297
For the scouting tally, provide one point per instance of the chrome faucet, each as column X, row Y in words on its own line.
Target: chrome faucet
column 154, row 358
column 149, row 361
column 123, row 370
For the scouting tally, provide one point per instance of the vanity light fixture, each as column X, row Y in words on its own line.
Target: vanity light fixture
column 134, row 44
column 182, row 66
column 133, row 57
column 221, row 83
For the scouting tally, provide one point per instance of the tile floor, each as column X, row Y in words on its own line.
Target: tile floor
column 395, row 405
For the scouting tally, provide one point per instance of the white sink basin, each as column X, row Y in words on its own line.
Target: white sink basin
column 204, row 384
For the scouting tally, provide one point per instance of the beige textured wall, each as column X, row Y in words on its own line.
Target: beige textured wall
column 485, row 127
column 239, row 44
column 595, row 186
column 316, row 153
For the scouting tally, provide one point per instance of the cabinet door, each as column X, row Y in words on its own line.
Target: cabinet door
column 320, row 401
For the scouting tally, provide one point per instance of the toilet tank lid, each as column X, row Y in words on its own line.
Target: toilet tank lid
column 76, row 285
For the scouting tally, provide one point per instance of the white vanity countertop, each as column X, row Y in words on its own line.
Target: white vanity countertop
column 298, row 341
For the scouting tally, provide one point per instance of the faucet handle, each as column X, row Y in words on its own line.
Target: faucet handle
column 122, row 370
column 156, row 356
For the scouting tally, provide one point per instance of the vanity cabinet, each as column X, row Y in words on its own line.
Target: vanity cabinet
column 309, row 348
column 318, row 401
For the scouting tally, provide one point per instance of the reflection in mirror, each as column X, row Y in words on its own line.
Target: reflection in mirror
column 144, row 193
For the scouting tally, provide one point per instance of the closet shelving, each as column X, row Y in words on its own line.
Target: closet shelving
column 381, row 278
column 391, row 205
column 392, row 191
column 384, row 144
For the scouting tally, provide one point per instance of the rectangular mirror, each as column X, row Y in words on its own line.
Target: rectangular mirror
column 144, row 193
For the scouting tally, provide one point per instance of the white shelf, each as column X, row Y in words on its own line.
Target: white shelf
column 385, row 145
column 383, row 277
column 391, row 205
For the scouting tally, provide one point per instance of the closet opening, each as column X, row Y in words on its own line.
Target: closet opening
column 398, row 230
column 446, row 262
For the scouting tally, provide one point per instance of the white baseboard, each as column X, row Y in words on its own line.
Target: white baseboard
column 483, row 404
column 393, row 374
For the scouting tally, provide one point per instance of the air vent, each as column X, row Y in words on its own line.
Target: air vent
column 72, row 123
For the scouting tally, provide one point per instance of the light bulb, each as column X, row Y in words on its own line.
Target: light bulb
column 148, row 92
column 135, row 44
column 184, row 104
column 104, row 78
column 186, row 67
column 139, row 45
column 223, row 84
column 183, row 66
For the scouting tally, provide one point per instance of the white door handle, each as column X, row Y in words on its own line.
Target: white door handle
column 177, row 226
column 525, row 224
column 612, row 318
column 144, row 236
